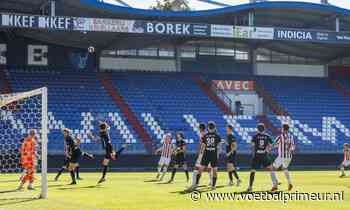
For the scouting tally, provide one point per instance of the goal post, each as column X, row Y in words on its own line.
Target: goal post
column 19, row 113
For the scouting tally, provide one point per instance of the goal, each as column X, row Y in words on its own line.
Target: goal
column 20, row 113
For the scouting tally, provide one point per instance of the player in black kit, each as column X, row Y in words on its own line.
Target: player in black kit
column 73, row 153
column 262, row 144
column 66, row 158
column 179, row 156
column 108, row 147
column 210, row 145
column 231, row 149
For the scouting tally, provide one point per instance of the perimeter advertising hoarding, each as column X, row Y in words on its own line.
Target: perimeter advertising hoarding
column 171, row 28
column 233, row 85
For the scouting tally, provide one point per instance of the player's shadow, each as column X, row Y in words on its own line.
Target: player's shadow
column 151, row 180
column 260, row 191
column 164, row 183
column 55, row 185
column 85, row 187
column 6, row 181
column 9, row 201
column 201, row 189
column 8, row 191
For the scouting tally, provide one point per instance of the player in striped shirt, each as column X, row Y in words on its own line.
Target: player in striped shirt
column 202, row 131
column 346, row 161
column 165, row 158
column 285, row 144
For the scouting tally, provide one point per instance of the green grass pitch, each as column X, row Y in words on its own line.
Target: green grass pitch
column 131, row 191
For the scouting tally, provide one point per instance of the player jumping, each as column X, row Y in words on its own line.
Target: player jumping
column 286, row 147
column 165, row 158
column 66, row 160
column 231, row 149
column 107, row 145
column 28, row 160
column 210, row 145
column 74, row 153
column 346, row 161
column 262, row 143
column 180, row 156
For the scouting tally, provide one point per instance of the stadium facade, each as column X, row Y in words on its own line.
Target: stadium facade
column 149, row 72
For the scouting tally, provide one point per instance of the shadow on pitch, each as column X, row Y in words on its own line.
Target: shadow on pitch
column 9, row 201
column 6, row 181
column 56, row 185
column 261, row 191
column 151, row 180
column 85, row 187
column 200, row 188
column 164, row 183
column 8, row 191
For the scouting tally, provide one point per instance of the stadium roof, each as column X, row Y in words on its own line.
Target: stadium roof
column 277, row 14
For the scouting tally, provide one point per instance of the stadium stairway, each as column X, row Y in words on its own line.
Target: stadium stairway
column 273, row 105
column 5, row 86
column 126, row 110
column 268, row 99
column 211, row 94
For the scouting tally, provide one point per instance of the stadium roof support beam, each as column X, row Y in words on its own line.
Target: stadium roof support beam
column 215, row 3
column 53, row 8
column 251, row 17
column 254, row 1
column 337, row 24
column 123, row 3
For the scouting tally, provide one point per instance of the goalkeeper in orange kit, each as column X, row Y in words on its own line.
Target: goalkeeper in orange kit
column 28, row 160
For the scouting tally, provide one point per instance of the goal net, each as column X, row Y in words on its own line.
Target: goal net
column 19, row 114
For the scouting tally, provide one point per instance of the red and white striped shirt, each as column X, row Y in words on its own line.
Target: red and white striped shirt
column 201, row 135
column 166, row 150
column 285, row 143
column 346, row 154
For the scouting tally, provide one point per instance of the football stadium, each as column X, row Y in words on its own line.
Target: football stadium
column 174, row 104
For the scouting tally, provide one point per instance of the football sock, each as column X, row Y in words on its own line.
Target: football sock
column 342, row 170
column 165, row 169
column 159, row 170
column 194, row 177
column 30, row 184
column 120, row 151
column 88, row 155
column 273, row 178
column 187, row 175
column 286, row 173
column 214, row 181
column 104, row 171
column 230, row 176
column 198, row 177
column 59, row 173
column 77, row 171
column 72, row 175
column 173, row 174
column 210, row 176
column 251, row 179
column 235, row 174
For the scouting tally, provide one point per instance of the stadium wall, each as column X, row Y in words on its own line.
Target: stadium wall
column 149, row 162
column 217, row 65
column 253, row 105
column 132, row 64
column 28, row 52
column 270, row 69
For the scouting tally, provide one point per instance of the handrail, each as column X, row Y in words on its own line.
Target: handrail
column 228, row 101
